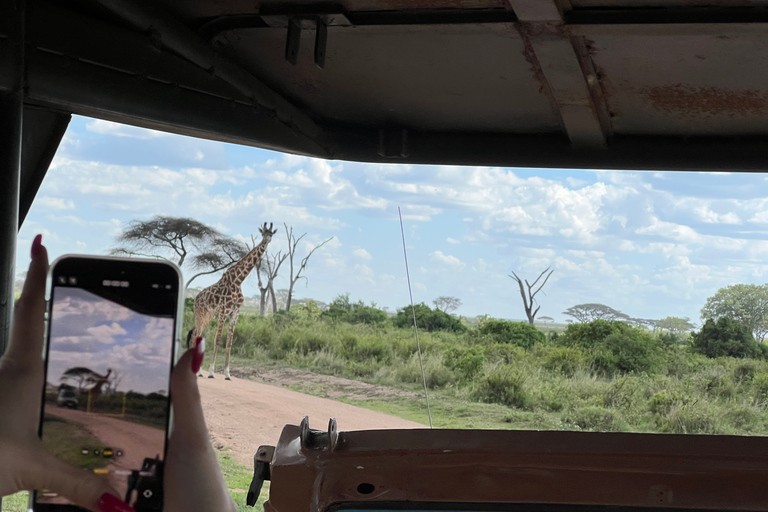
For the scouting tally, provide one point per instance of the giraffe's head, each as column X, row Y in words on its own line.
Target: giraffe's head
column 267, row 232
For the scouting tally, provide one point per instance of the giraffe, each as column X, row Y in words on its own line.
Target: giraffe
column 99, row 381
column 224, row 299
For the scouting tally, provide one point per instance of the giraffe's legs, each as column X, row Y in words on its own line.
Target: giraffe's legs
column 230, row 336
column 219, row 328
column 202, row 319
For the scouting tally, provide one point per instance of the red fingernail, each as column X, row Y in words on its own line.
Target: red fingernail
column 37, row 245
column 110, row 503
column 197, row 360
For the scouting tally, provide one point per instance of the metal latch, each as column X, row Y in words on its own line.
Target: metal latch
column 262, row 460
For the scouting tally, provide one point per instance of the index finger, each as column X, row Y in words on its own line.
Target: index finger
column 26, row 344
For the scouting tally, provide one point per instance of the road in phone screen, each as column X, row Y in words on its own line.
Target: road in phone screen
column 106, row 394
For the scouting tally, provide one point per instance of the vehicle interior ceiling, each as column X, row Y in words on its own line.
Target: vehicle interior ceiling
column 589, row 84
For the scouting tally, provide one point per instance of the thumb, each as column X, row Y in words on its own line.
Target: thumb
column 188, row 420
column 79, row 486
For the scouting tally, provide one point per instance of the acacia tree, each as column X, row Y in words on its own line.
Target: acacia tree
column 162, row 236
column 178, row 239
column 745, row 303
column 675, row 325
column 529, row 291
column 587, row 312
column 297, row 269
column 447, row 304
column 220, row 253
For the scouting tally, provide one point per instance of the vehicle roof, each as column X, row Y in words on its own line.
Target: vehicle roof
column 638, row 84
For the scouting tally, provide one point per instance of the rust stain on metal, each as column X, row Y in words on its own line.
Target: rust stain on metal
column 691, row 101
column 526, row 31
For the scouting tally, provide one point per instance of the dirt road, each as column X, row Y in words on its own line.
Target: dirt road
column 242, row 414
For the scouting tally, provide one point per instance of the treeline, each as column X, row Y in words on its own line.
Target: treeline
column 600, row 375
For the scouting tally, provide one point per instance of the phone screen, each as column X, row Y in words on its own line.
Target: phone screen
column 111, row 336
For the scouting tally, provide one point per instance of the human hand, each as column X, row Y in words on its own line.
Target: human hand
column 26, row 465
column 193, row 479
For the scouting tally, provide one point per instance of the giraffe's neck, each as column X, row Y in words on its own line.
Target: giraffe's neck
column 240, row 270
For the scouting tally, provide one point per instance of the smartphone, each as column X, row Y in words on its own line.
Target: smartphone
column 112, row 336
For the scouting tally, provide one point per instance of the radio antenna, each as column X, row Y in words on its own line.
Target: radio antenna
column 413, row 313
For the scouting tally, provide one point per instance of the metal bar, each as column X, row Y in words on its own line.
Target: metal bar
column 564, row 70
column 11, row 117
column 321, row 43
column 292, row 41
column 95, row 91
column 177, row 37
column 43, row 131
column 650, row 153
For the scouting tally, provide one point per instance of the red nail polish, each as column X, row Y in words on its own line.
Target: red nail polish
column 197, row 360
column 37, row 245
column 110, row 503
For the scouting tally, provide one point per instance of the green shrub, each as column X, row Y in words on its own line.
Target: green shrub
column 718, row 384
column 725, row 337
column 664, row 401
column 565, row 360
column 504, row 385
column 596, row 418
column 745, row 372
column 503, row 353
column 372, row 348
column 692, row 418
column 516, row 333
column 342, row 310
column 760, row 389
column 632, row 350
column 588, row 335
column 466, row 362
column 679, row 361
column 436, row 374
column 427, row 319
column 623, row 392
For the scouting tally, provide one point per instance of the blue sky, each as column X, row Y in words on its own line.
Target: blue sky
column 651, row 244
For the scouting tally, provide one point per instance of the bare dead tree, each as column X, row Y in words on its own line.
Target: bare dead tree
column 295, row 275
column 529, row 291
column 267, row 271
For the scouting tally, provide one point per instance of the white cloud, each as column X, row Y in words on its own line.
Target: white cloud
column 452, row 240
column 446, row 259
column 106, row 333
column 362, row 254
column 121, row 130
column 55, row 203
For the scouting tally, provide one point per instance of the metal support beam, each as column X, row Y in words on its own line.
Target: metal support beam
column 43, row 131
column 11, row 117
column 565, row 68
column 175, row 36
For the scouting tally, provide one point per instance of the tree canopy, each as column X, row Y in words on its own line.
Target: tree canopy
column 182, row 240
column 744, row 303
column 589, row 312
column 447, row 304
column 726, row 337
column 427, row 319
column 675, row 324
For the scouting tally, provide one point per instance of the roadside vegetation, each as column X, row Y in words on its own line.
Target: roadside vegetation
column 601, row 375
